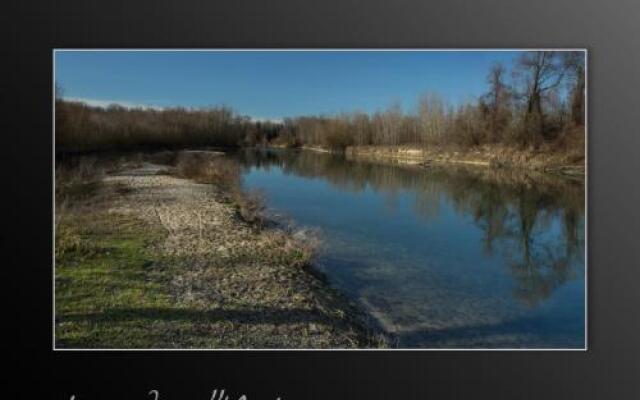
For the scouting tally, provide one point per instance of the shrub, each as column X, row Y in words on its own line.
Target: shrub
column 208, row 167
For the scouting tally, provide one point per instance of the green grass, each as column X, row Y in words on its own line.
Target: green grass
column 111, row 274
column 112, row 290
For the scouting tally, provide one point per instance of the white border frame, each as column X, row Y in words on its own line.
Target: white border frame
column 586, row 190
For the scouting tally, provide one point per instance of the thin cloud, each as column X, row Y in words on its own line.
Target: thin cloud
column 271, row 120
column 107, row 103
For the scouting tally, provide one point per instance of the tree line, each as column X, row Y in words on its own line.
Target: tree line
column 540, row 101
column 80, row 127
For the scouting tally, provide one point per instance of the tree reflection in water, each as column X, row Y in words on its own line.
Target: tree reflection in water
column 534, row 221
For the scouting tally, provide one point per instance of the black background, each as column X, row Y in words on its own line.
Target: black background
column 610, row 30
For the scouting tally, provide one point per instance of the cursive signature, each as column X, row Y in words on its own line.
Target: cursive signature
column 215, row 395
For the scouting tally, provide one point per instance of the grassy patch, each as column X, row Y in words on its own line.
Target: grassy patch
column 106, row 274
column 118, row 293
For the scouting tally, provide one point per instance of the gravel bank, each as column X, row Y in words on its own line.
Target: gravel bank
column 253, row 285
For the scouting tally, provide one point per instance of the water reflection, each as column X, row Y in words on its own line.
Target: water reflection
column 442, row 257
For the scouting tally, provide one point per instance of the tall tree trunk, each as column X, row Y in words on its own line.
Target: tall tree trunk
column 577, row 100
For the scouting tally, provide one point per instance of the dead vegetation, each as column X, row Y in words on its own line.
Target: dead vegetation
column 569, row 158
column 154, row 260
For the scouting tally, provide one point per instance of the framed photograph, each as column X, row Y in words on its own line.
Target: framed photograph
column 297, row 201
column 329, row 216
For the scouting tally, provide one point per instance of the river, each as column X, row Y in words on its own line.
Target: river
column 439, row 257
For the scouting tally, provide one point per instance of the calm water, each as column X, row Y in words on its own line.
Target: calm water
column 440, row 257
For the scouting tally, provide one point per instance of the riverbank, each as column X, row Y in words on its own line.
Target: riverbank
column 147, row 258
column 566, row 162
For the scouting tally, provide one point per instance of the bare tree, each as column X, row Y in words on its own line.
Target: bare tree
column 390, row 123
column 432, row 118
column 543, row 72
column 497, row 102
column 574, row 63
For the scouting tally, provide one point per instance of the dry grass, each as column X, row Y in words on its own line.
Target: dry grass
column 77, row 180
column 75, row 185
column 250, row 207
column 547, row 157
column 152, row 260
column 211, row 168
column 208, row 167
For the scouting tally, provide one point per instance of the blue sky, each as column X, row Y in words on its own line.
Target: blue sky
column 275, row 84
